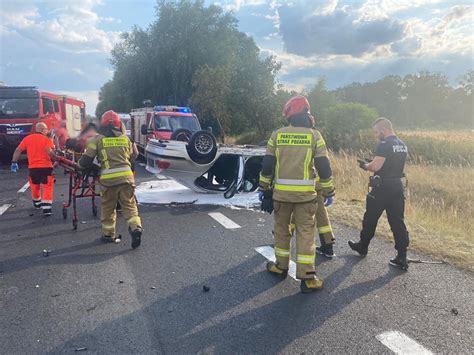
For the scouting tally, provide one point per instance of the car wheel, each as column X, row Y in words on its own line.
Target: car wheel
column 202, row 147
column 182, row 135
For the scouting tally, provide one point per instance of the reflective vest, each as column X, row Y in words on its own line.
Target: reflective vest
column 294, row 149
column 114, row 155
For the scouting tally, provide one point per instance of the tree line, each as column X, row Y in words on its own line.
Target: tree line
column 193, row 54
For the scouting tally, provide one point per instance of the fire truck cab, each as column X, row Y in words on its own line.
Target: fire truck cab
column 21, row 107
column 162, row 123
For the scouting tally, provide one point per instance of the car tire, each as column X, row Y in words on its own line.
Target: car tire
column 202, row 147
column 182, row 135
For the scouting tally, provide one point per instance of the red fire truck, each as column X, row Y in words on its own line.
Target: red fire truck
column 21, row 107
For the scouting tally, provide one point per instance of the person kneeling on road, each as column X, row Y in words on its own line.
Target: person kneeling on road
column 115, row 153
column 40, row 153
column 287, row 183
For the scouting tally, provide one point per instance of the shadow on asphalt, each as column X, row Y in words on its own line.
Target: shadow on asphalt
column 190, row 321
column 68, row 255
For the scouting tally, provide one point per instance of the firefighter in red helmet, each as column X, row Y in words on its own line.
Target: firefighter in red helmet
column 115, row 153
column 296, row 156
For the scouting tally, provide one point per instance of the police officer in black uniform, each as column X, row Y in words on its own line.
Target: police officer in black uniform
column 387, row 192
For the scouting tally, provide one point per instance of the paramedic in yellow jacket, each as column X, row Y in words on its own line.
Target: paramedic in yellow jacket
column 296, row 154
column 115, row 154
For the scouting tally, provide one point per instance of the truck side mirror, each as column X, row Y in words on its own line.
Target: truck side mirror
column 144, row 129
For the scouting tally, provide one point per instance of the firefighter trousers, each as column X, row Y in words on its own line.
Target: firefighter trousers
column 304, row 220
column 323, row 224
column 125, row 194
column 389, row 197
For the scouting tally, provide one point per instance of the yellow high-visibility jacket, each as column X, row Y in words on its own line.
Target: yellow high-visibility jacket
column 294, row 175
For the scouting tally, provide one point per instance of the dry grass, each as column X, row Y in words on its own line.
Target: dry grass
column 439, row 209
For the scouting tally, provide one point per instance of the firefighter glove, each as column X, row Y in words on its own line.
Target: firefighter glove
column 14, row 167
column 328, row 201
column 267, row 201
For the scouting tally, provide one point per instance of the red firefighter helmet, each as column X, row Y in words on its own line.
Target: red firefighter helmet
column 110, row 118
column 296, row 104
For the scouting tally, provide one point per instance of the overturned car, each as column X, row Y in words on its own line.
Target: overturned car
column 204, row 166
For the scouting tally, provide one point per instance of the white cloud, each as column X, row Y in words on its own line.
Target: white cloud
column 236, row 5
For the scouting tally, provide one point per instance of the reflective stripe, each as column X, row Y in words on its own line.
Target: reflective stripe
column 114, row 175
column 115, row 170
column 265, row 180
column 325, row 229
column 305, row 259
column 106, row 159
column 320, row 143
column 270, row 143
column 47, row 201
column 282, row 252
column 327, row 184
column 108, row 226
column 295, row 182
column 277, row 168
column 294, row 188
column 307, row 161
column 135, row 220
column 91, row 146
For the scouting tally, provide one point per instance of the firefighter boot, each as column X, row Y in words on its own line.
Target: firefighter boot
column 362, row 250
column 400, row 261
column 274, row 269
column 311, row 285
column 136, row 237
column 325, row 249
column 109, row 239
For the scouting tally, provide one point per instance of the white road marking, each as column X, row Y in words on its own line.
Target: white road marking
column 269, row 253
column 24, row 188
column 4, row 208
column 400, row 343
column 226, row 222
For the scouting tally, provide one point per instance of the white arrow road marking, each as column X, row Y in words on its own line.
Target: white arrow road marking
column 24, row 188
column 226, row 222
column 400, row 343
column 4, row 208
column 269, row 253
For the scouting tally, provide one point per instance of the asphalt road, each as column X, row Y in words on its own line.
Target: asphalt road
column 95, row 298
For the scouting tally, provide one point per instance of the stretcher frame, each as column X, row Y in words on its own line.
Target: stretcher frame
column 82, row 184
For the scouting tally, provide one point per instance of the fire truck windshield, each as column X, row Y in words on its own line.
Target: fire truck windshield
column 172, row 123
column 19, row 108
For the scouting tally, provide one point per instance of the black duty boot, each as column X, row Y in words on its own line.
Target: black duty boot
column 326, row 250
column 358, row 248
column 136, row 237
column 400, row 261
column 109, row 239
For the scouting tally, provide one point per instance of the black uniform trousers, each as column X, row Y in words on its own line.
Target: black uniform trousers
column 389, row 197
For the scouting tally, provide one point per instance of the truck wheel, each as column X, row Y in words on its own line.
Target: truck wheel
column 182, row 135
column 202, row 147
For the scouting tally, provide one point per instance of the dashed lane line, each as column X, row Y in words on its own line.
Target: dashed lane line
column 400, row 343
column 224, row 221
column 4, row 208
column 269, row 253
column 24, row 188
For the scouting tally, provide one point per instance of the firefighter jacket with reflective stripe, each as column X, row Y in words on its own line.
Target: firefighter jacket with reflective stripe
column 114, row 155
column 294, row 175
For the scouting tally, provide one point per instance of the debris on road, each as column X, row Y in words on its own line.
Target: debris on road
column 454, row 311
column 121, row 281
column 91, row 309
column 45, row 252
column 37, row 286
column 81, row 349
column 56, row 295
column 152, row 288
column 206, row 288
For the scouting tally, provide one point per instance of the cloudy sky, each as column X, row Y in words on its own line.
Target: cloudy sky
column 64, row 45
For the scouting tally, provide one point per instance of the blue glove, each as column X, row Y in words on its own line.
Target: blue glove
column 328, row 201
column 14, row 168
column 260, row 196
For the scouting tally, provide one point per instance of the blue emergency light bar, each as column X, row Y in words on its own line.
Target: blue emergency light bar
column 172, row 109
